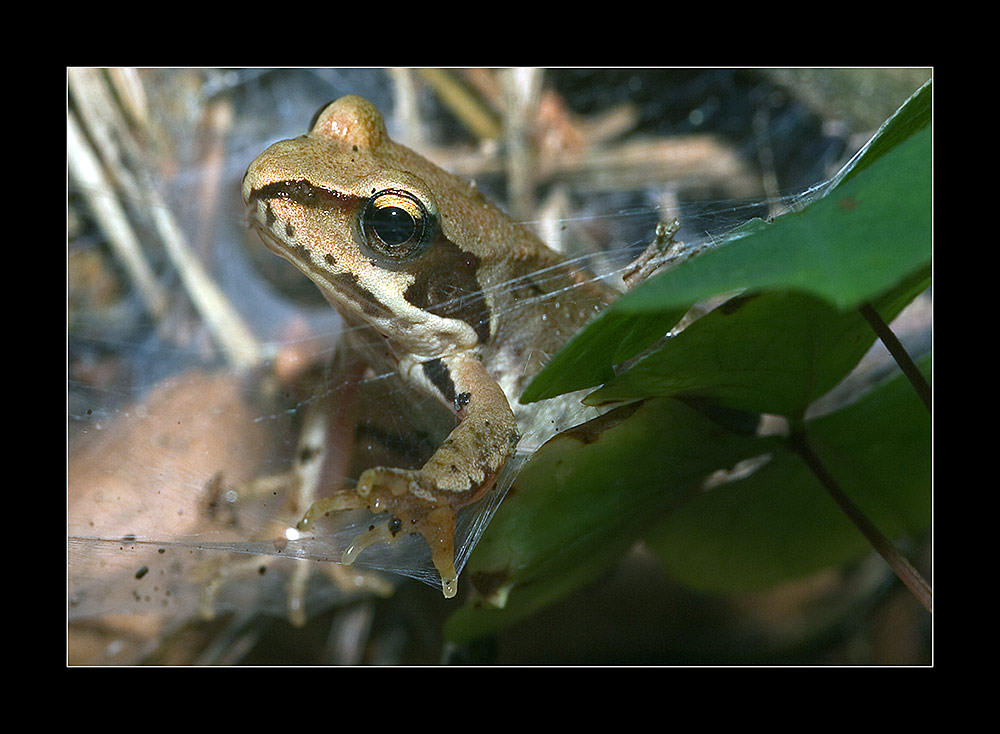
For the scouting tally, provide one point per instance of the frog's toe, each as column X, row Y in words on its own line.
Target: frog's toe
column 439, row 532
column 380, row 533
column 449, row 581
column 345, row 500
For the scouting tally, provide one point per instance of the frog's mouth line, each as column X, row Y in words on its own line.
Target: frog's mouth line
column 355, row 298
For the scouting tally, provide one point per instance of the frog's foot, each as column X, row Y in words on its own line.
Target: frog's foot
column 416, row 509
column 245, row 569
column 411, row 508
column 219, row 574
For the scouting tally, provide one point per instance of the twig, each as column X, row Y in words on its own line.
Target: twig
column 86, row 171
column 115, row 147
column 476, row 117
column 898, row 352
column 899, row 564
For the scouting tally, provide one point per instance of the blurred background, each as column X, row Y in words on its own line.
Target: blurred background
column 191, row 351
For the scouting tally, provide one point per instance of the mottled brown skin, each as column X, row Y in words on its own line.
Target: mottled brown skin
column 465, row 304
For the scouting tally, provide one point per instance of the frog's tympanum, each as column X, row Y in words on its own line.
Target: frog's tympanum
column 469, row 303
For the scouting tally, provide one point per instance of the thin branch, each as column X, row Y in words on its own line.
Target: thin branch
column 899, row 564
column 898, row 352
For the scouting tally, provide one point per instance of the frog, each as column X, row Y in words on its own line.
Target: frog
column 463, row 303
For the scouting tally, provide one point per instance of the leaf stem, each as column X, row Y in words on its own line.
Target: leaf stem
column 899, row 564
column 898, row 352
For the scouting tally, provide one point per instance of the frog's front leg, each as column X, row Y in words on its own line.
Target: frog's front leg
column 425, row 501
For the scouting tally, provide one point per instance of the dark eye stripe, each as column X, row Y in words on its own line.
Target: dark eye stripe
column 303, row 193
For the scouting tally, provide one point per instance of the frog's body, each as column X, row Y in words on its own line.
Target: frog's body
column 469, row 303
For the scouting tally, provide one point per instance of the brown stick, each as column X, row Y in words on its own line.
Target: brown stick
column 900, row 565
column 898, row 352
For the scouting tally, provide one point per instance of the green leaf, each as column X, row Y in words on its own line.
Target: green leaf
column 911, row 118
column 584, row 499
column 638, row 472
column 770, row 352
column 871, row 230
column 779, row 524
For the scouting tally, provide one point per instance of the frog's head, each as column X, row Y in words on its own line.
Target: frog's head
column 349, row 208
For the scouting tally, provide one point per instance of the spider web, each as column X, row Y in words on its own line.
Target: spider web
column 172, row 441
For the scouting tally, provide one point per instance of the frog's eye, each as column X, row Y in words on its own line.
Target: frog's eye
column 396, row 226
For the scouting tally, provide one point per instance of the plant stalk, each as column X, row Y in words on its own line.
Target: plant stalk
column 899, row 564
column 898, row 352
